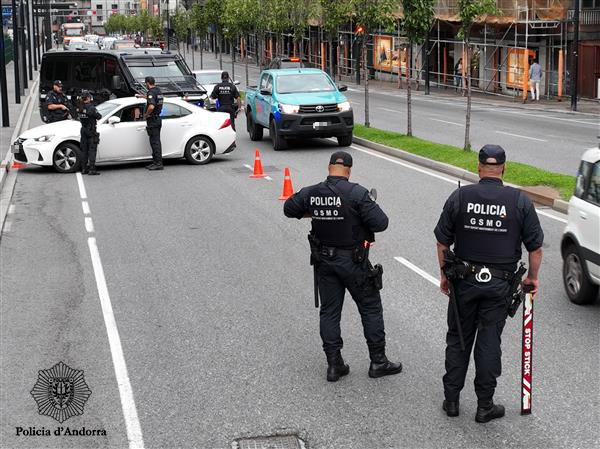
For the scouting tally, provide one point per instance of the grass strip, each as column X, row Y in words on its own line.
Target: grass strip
column 516, row 172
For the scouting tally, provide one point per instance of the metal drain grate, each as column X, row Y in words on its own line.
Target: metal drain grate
column 270, row 442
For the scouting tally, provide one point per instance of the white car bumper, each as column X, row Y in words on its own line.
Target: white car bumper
column 31, row 152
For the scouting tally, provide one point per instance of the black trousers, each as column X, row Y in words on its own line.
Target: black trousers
column 229, row 109
column 336, row 275
column 483, row 310
column 153, row 126
column 88, row 145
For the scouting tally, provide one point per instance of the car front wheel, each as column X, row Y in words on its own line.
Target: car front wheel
column 199, row 150
column 345, row 141
column 66, row 158
column 578, row 286
column 255, row 131
column 279, row 143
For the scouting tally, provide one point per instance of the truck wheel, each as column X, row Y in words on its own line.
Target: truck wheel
column 255, row 131
column 578, row 286
column 279, row 143
column 344, row 141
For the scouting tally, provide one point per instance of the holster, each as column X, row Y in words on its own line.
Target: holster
column 515, row 295
column 376, row 273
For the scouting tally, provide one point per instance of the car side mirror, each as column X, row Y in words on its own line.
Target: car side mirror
column 265, row 91
column 342, row 88
column 116, row 82
column 236, row 82
column 113, row 120
column 373, row 194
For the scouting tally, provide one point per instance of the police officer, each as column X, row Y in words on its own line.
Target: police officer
column 225, row 92
column 344, row 219
column 88, row 143
column 487, row 223
column 56, row 102
column 154, row 105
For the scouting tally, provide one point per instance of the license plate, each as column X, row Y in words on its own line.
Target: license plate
column 16, row 148
column 319, row 124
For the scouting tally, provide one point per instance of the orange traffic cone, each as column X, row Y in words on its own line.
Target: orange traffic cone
column 258, row 168
column 16, row 165
column 288, row 190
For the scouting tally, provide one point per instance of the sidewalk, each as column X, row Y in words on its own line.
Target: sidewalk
column 584, row 106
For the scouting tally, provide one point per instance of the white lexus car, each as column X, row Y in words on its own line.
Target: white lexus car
column 187, row 131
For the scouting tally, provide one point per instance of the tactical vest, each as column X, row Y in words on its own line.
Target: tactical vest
column 55, row 98
column 334, row 221
column 159, row 101
column 488, row 230
column 88, row 123
column 225, row 94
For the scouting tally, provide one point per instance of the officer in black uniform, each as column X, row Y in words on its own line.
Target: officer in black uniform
column 344, row 219
column 154, row 105
column 88, row 115
column 56, row 102
column 487, row 223
column 225, row 92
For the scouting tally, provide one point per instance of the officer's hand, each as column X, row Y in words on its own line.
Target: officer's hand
column 532, row 282
column 444, row 285
column 64, row 108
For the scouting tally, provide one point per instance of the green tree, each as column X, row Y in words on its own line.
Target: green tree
column 332, row 15
column 469, row 11
column 372, row 15
column 144, row 22
column 299, row 14
column 180, row 22
column 243, row 17
column 156, row 28
column 199, row 23
column 213, row 9
column 277, row 16
column 418, row 18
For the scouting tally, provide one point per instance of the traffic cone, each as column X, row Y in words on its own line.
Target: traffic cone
column 17, row 165
column 288, row 190
column 258, row 168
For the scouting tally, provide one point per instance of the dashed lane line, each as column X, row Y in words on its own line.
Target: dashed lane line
column 521, row 136
column 132, row 422
column 86, row 207
column 446, row 121
column 418, row 270
column 547, row 214
column 11, row 209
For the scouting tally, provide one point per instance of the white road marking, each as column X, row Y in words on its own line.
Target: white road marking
column 82, row 192
column 546, row 214
column 268, row 178
column 419, row 271
column 86, row 207
column 132, row 423
column 412, row 167
column 89, row 224
column 446, row 121
column 7, row 226
column 11, row 209
column 395, row 111
column 249, row 167
column 521, row 136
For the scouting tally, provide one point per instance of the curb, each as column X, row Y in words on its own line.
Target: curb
column 460, row 173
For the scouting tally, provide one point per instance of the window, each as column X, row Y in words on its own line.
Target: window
column 111, row 68
column 593, row 191
column 317, row 82
column 263, row 81
column 61, row 69
column 270, row 83
column 99, row 7
column 590, row 4
column 99, row 18
column 583, row 175
column 132, row 113
column 114, row 6
column 170, row 110
column 87, row 71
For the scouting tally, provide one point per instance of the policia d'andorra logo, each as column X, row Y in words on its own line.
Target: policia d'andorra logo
column 60, row 392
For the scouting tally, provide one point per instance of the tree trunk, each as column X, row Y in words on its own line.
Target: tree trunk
column 331, row 57
column 202, row 52
column 232, row 46
column 408, row 92
column 467, row 146
column 246, row 56
column 364, row 58
column 220, row 52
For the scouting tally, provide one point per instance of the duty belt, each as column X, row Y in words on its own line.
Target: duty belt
column 332, row 251
column 484, row 274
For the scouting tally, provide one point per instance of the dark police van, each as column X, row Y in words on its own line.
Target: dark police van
column 113, row 74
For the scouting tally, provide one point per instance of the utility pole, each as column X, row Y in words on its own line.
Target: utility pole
column 575, row 60
column 16, row 53
column 23, row 43
column 426, row 56
column 34, row 39
column 26, row 26
column 3, row 86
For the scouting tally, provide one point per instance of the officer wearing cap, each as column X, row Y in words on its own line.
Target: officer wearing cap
column 56, row 103
column 345, row 217
column 89, row 137
column 226, row 94
column 487, row 223
column 154, row 98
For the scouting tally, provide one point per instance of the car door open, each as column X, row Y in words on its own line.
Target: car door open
column 123, row 135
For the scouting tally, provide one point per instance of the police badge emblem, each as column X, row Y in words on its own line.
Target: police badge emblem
column 60, row 392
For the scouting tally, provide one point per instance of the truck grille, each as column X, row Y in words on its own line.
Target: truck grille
column 312, row 108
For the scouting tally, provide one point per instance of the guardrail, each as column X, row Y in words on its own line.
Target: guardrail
column 586, row 16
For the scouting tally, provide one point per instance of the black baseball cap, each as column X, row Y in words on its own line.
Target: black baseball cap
column 224, row 76
column 85, row 94
column 57, row 83
column 341, row 158
column 495, row 152
column 149, row 80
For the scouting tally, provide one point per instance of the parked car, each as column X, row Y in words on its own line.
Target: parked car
column 208, row 79
column 187, row 131
column 288, row 63
column 294, row 103
column 580, row 246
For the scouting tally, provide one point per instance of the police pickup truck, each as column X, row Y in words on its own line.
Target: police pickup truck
column 298, row 103
column 115, row 74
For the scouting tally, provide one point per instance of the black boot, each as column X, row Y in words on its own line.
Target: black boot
column 337, row 368
column 450, row 407
column 488, row 411
column 381, row 366
column 93, row 171
column 84, row 169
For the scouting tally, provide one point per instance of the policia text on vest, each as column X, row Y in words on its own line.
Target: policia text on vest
column 487, row 224
column 344, row 220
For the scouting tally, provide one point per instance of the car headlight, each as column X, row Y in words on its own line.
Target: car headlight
column 288, row 108
column 47, row 138
column 345, row 106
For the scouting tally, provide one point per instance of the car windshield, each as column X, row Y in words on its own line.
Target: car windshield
column 106, row 108
column 302, row 82
column 161, row 71
column 208, row 78
column 73, row 31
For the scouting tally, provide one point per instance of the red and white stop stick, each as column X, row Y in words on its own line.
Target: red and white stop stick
column 527, row 354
